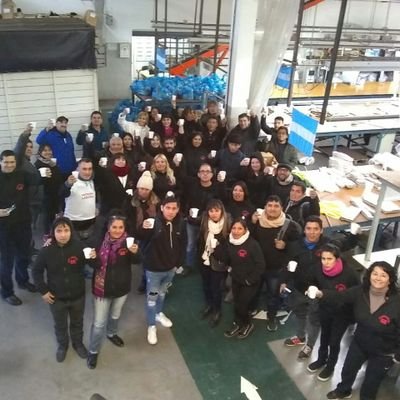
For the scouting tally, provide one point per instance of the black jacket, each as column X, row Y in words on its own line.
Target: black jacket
column 118, row 278
column 164, row 246
column 14, row 190
column 275, row 259
column 377, row 333
column 246, row 260
column 64, row 268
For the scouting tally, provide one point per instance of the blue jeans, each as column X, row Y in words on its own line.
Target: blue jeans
column 192, row 232
column 15, row 249
column 157, row 284
column 105, row 310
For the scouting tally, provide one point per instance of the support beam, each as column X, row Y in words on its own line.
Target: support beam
column 217, row 35
column 334, row 54
column 295, row 51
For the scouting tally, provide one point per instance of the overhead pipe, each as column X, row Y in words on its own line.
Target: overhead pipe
column 334, row 54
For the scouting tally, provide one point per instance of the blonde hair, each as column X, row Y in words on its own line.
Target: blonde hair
column 169, row 173
column 143, row 114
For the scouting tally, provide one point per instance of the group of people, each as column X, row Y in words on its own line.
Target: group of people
column 177, row 193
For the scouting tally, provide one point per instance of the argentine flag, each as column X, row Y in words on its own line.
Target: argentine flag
column 303, row 132
column 283, row 78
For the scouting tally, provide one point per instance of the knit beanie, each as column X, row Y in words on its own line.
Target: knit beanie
column 145, row 181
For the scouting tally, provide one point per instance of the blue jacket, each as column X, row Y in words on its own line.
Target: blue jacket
column 62, row 146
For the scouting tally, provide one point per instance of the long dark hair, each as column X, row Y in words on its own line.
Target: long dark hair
column 215, row 203
column 388, row 269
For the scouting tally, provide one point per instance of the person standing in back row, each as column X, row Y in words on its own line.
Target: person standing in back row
column 61, row 143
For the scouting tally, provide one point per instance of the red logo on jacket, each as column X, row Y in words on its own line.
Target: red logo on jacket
column 384, row 319
column 123, row 252
column 340, row 287
column 242, row 253
column 19, row 187
column 73, row 260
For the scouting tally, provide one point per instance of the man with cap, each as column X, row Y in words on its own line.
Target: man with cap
column 142, row 205
column 280, row 184
column 163, row 253
column 61, row 143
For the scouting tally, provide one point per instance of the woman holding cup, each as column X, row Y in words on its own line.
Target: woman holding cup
column 133, row 149
column 111, row 284
column 214, row 230
column 244, row 255
column 152, row 145
column 255, row 179
column 163, row 176
column 139, row 128
column 332, row 274
column 375, row 304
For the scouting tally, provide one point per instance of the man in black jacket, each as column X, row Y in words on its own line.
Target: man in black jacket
column 64, row 289
column 15, row 227
column 163, row 253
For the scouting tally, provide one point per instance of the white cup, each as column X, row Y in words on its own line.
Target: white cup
column 151, row 135
column 213, row 153
column 194, row 212
column 90, row 136
column 355, row 229
column 129, row 242
column 148, row 108
column 104, row 144
column 32, row 125
column 142, row 164
column 260, row 211
column 173, row 97
column 222, row 116
column 159, row 116
column 116, row 134
column 54, row 160
column 127, row 110
column 129, row 191
column 103, row 161
column 222, row 175
column 44, row 171
column 179, row 157
column 312, row 292
column 181, row 122
column 292, row 265
column 150, row 221
column 87, row 251
column 75, row 174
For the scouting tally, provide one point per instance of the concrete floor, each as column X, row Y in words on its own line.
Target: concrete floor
column 29, row 370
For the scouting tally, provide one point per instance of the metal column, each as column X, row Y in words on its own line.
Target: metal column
column 335, row 50
column 217, row 35
column 295, row 51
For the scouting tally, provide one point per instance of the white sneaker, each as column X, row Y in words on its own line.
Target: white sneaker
column 152, row 334
column 163, row 320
